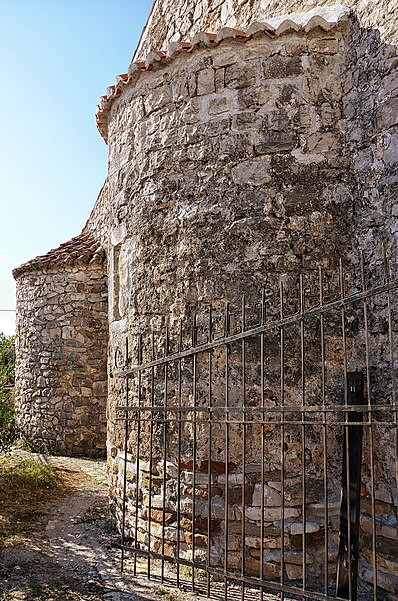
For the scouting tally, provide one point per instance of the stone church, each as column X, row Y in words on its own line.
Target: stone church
column 249, row 141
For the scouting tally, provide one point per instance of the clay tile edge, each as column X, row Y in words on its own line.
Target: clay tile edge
column 326, row 17
column 80, row 250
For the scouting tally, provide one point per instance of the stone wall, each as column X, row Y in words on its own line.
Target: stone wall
column 370, row 91
column 170, row 22
column 370, row 109
column 61, row 384
column 238, row 171
column 228, row 169
column 230, row 166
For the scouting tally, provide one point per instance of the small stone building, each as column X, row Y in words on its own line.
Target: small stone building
column 62, row 323
column 245, row 145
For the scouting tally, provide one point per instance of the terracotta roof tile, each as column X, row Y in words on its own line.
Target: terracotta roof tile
column 81, row 250
column 326, row 18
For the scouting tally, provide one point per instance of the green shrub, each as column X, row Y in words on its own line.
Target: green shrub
column 7, row 360
column 8, row 415
column 8, row 425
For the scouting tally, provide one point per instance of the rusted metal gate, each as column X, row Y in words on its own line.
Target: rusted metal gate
column 260, row 446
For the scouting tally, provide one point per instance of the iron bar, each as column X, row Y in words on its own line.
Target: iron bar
column 243, row 504
column 282, row 424
column 209, row 471
column 194, row 378
column 324, row 433
column 137, row 455
column 286, row 321
column 348, row 554
column 165, row 385
column 179, row 435
column 262, row 384
column 277, row 409
column 392, row 367
column 226, row 520
column 255, row 421
column 303, row 437
column 370, row 423
column 126, row 438
column 346, row 448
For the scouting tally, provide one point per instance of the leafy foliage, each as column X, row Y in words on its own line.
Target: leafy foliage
column 8, row 423
column 7, row 360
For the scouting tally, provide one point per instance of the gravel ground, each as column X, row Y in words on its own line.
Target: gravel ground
column 70, row 555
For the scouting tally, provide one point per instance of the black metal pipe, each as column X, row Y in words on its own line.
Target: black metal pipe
column 348, row 554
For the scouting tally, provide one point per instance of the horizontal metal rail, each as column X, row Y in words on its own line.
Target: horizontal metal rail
column 260, row 329
column 287, row 372
column 238, row 578
column 248, row 410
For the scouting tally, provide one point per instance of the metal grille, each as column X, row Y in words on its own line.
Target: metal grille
column 260, row 446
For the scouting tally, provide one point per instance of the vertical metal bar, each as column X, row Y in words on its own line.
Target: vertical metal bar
column 325, row 447
column 165, row 384
column 346, row 449
column 351, row 495
column 209, row 470
column 194, row 445
column 371, row 431
column 282, row 395
column 262, row 532
column 126, row 438
column 137, row 454
column 303, row 432
column 179, row 456
column 392, row 368
column 243, row 318
column 150, row 454
column 226, row 529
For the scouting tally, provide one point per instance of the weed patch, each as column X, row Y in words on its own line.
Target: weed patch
column 24, row 488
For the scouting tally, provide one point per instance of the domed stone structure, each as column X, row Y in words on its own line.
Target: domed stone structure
column 246, row 146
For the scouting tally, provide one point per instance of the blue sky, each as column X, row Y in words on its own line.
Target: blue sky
column 56, row 57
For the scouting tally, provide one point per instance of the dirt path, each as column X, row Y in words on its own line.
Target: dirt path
column 69, row 557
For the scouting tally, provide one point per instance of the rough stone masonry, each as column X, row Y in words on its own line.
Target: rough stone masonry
column 234, row 160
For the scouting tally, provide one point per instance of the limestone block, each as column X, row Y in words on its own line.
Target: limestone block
column 254, row 172
column 323, row 143
column 157, row 99
column 275, row 141
column 253, row 99
column 270, row 570
column 298, row 527
column 189, row 112
column 240, row 75
column 219, row 104
column 270, row 514
column 391, row 152
column 324, row 45
column 224, row 57
column 269, row 542
column 266, row 495
column 41, row 382
column 205, row 82
column 280, row 67
column 294, row 572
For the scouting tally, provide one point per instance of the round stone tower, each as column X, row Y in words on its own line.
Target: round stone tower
column 237, row 160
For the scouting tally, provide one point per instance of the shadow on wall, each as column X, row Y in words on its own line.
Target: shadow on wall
column 371, row 113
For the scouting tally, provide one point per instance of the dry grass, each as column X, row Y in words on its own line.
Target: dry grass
column 26, row 488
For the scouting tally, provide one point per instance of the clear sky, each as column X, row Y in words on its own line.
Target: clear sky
column 56, row 57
